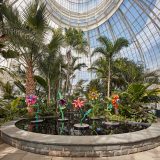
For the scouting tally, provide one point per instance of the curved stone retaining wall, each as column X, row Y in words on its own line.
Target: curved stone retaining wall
column 82, row 146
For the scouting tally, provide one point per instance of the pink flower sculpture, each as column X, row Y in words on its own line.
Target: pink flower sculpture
column 31, row 100
column 78, row 103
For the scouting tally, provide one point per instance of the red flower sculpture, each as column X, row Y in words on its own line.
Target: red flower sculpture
column 78, row 103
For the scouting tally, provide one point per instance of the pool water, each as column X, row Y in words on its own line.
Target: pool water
column 96, row 127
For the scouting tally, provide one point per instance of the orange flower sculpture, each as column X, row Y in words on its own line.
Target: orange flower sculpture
column 115, row 101
column 78, row 103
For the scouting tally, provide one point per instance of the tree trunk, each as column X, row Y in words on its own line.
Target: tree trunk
column 68, row 54
column 49, row 93
column 67, row 83
column 109, row 77
column 70, row 90
column 55, row 96
column 30, row 83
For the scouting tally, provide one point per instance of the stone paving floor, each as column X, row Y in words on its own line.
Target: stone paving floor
column 8, row 152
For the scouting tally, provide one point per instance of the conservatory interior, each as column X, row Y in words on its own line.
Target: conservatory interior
column 79, row 79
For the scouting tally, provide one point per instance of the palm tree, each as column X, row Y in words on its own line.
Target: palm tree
column 74, row 40
column 109, row 49
column 26, row 35
column 51, row 63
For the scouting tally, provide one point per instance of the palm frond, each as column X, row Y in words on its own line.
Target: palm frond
column 9, row 54
column 79, row 66
column 20, row 86
column 35, row 17
column 99, row 50
column 41, row 81
column 56, row 41
column 119, row 44
column 107, row 43
column 11, row 15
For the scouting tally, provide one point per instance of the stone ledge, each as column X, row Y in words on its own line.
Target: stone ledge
column 82, row 146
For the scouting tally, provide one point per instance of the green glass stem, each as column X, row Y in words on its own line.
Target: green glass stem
column 82, row 115
column 82, row 119
column 36, row 116
column 62, row 127
column 37, row 111
column 62, row 114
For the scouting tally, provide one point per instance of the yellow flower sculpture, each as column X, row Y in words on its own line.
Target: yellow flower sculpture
column 93, row 95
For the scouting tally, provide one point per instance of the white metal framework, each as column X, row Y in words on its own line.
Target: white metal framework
column 136, row 20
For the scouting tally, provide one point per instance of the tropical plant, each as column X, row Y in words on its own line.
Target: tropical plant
column 26, row 35
column 133, row 102
column 109, row 49
column 7, row 90
column 139, row 93
column 74, row 40
column 126, row 71
column 51, row 63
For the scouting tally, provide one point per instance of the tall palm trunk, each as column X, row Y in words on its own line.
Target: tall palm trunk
column 55, row 96
column 49, row 92
column 70, row 90
column 67, row 83
column 109, row 77
column 68, row 71
column 30, row 83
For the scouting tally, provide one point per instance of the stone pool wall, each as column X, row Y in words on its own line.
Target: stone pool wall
column 82, row 146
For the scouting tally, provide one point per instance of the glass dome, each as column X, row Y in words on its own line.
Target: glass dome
column 137, row 21
column 84, row 14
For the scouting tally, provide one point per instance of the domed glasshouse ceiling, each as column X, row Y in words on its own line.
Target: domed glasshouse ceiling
column 137, row 21
column 85, row 14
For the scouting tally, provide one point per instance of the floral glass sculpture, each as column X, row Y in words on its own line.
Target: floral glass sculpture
column 30, row 101
column 78, row 104
column 93, row 95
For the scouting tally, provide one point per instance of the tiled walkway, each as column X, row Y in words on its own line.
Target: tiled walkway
column 10, row 153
